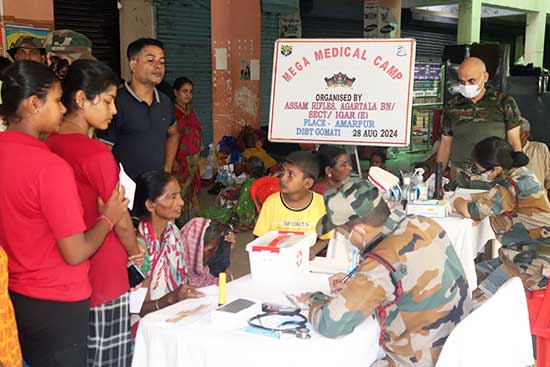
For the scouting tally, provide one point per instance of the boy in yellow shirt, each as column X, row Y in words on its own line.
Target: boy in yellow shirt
column 295, row 208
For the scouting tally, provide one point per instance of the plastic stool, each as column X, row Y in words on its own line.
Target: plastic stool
column 538, row 304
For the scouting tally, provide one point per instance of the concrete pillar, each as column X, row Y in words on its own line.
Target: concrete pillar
column 534, row 38
column 519, row 49
column 136, row 20
column 395, row 6
column 236, row 34
column 469, row 22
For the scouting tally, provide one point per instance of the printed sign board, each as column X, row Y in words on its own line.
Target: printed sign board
column 13, row 32
column 342, row 91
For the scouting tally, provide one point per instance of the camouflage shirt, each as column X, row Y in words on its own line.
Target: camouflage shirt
column 469, row 123
column 518, row 208
column 418, row 299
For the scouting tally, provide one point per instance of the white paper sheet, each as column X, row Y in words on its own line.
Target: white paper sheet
column 129, row 186
column 221, row 58
column 255, row 69
column 137, row 298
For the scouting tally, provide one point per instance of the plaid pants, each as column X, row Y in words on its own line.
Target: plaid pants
column 110, row 340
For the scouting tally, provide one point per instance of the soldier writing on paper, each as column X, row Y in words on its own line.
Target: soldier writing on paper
column 409, row 274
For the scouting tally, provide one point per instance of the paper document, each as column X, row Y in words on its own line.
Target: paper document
column 137, row 298
column 325, row 265
column 129, row 186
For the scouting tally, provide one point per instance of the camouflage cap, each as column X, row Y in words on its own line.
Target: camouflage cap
column 73, row 44
column 29, row 40
column 355, row 198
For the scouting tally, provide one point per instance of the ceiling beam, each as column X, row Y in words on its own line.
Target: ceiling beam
column 419, row 3
column 525, row 5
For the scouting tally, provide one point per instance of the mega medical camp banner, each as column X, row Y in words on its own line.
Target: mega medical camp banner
column 342, row 91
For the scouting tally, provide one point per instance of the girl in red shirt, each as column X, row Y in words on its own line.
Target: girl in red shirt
column 42, row 228
column 89, row 92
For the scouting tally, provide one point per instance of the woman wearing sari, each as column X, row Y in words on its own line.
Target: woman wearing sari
column 186, row 166
column 175, row 263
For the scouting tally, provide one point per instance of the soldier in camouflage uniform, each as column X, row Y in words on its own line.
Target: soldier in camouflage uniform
column 69, row 44
column 519, row 212
column 469, row 119
column 409, row 275
column 63, row 47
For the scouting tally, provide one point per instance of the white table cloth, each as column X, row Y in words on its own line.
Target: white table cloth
column 468, row 238
column 197, row 342
column 495, row 334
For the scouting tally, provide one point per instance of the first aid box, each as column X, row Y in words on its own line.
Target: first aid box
column 279, row 256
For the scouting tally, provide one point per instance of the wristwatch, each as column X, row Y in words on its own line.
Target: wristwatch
column 318, row 297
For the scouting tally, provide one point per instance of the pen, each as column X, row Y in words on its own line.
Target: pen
column 349, row 275
column 291, row 300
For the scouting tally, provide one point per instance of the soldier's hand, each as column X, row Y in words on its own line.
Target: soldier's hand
column 461, row 206
column 335, row 282
column 304, row 298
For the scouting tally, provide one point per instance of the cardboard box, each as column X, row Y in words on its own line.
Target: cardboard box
column 280, row 256
column 429, row 208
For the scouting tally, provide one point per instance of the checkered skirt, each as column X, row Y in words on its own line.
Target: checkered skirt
column 110, row 340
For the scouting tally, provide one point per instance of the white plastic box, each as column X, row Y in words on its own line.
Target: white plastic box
column 279, row 256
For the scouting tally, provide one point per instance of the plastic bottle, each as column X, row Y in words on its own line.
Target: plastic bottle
column 421, row 186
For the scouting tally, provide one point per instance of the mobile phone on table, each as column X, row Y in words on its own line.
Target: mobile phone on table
column 135, row 276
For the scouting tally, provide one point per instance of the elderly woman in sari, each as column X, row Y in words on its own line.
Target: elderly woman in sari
column 176, row 262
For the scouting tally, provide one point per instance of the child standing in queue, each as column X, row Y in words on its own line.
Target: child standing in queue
column 41, row 223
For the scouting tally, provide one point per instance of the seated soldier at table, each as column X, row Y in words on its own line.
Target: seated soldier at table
column 295, row 208
column 519, row 212
column 409, row 274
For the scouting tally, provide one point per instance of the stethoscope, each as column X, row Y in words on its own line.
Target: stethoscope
column 299, row 329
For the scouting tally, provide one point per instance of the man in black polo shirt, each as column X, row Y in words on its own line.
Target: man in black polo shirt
column 143, row 133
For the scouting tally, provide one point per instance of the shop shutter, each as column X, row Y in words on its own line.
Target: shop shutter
column 185, row 28
column 317, row 27
column 270, row 33
column 280, row 6
column 429, row 43
column 97, row 20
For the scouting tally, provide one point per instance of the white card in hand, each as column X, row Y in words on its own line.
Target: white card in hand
column 129, row 186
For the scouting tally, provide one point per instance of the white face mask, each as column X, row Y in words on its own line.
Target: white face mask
column 469, row 91
column 485, row 177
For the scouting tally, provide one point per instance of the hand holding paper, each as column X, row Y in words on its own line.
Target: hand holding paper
column 129, row 185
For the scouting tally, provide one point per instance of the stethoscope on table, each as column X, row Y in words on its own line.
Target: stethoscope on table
column 297, row 328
